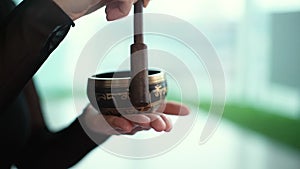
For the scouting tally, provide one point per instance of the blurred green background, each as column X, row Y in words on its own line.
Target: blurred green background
column 258, row 44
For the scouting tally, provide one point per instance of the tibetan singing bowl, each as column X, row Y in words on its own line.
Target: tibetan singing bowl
column 109, row 92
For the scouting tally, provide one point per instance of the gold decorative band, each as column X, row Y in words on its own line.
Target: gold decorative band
column 158, row 92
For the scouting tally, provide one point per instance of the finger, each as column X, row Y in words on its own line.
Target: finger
column 168, row 123
column 174, row 108
column 144, row 125
column 138, row 118
column 137, row 129
column 146, row 2
column 119, row 123
column 116, row 9
column 157, row 123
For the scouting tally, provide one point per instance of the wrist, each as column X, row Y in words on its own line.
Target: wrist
column 73, row 8
column 87, row 126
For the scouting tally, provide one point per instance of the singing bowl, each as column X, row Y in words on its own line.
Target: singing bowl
column 109, row 92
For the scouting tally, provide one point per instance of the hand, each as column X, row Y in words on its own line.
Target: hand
column 115, row 9
column 130, row 124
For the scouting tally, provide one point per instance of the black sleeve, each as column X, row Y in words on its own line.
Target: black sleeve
column 27, row 37
column 57, row 150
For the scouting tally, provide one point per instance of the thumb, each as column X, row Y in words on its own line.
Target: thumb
column 117, row 9
column 174, row 108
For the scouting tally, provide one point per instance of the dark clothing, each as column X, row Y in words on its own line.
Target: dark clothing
column 28, row 35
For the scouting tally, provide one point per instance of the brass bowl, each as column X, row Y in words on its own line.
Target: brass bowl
column 109, row 92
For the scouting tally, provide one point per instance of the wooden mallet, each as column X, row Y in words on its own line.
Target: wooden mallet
column 139, row 86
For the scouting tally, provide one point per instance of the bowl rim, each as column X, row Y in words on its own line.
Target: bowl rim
column 122, row 82
column 160, row 73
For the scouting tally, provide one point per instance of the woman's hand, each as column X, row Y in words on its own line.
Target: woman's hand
column 115, row 9
column 130, row 124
